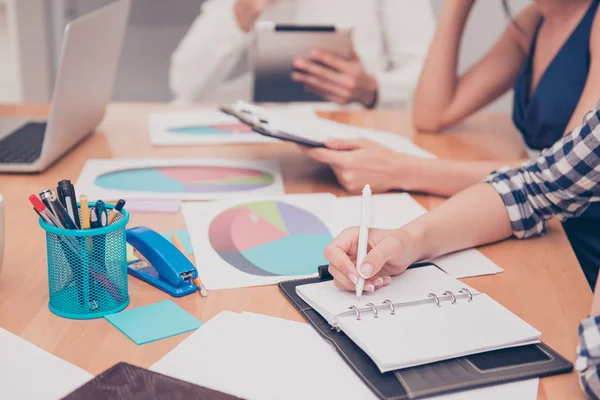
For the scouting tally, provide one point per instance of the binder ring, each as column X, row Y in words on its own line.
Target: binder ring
column 389, row 303
column 467, row 292
column 435, row 298
column 452, row 296
column 375, row 315
column 356, row 310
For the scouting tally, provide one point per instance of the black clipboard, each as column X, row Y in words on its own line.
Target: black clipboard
column 260, row 126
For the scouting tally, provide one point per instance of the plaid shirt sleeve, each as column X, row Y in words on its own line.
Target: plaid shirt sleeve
column 588, row 356
column 562, row 182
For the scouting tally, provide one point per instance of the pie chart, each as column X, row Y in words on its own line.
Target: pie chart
column 270, row 238
column 214, row 129
column 188, row 179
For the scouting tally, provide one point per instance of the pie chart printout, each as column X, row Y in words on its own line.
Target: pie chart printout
column 187, row 179
column 213, row 129
column 270, row 238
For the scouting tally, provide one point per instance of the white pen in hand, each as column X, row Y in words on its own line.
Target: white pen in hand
column 363, row 237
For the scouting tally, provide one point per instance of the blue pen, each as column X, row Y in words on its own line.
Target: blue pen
column 101, row 214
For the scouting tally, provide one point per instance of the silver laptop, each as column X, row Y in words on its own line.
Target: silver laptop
column 84, row 84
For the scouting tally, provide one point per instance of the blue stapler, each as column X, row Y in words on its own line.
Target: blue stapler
column 160, row 263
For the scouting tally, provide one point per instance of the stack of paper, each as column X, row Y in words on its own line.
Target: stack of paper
column 28, row 372
column 258, row 357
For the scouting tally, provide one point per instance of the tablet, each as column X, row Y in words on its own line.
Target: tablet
column 274, row 49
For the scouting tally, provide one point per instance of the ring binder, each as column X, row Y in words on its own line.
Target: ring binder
column 467, row 292
column 375, row 313
column 389, row 303
column 357, row 311
column 464, row 293
column 434, row 297
column 452, row 296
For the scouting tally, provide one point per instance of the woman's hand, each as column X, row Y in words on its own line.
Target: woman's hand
column 247, row 11
column 390, row 252
column 360, row 161
column 336, row 78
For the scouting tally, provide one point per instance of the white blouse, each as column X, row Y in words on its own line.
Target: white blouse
column 391, row 37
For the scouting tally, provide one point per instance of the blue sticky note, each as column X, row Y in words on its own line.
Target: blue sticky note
column 184, row 238
column 154, row 322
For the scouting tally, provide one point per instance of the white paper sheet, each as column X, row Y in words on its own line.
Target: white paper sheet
column 395, row 210
column 259, row 357
column 270, row 240
column 154, row 206
column 194, row 179
column 28, row 372
column 300, row 123
column 165, row 129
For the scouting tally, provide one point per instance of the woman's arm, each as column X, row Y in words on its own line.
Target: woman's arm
column 443, row 98
column 562, row 182
column 588, row 351
column 359, row 162
column 213, row 46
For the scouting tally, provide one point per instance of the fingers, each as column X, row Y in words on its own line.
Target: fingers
column 347, row 144
column 342, row 248
column 389, row 248
column 379, row 281
column 310, row 68
column 341, row 280
column 340, row 254
column 323, row 87
column 334, row 61
column 333, row 98
column 327, row 156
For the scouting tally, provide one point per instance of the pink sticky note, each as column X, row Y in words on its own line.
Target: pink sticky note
column 153, row 206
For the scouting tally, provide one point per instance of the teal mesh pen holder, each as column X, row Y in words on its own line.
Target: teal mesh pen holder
column 87, row 269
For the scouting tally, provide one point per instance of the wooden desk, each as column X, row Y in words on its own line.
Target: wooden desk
column 542, row 282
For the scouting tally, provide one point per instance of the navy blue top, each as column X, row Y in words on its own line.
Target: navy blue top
column 543, row 117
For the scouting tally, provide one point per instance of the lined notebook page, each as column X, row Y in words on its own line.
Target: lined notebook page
column 427, row 333
column 413, row 284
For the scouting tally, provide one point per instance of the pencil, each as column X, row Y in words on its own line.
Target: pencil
column 197, row 281
column 85, row 212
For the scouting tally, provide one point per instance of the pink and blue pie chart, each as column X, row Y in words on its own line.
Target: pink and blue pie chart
column 270, row 238
column 214, row 129
column 188, row 179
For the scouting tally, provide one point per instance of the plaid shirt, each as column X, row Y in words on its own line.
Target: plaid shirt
column 562, row 183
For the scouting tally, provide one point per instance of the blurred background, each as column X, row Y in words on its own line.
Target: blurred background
column 31, row 33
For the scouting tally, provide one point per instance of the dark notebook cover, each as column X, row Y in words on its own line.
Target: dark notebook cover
column 128, row 382
column 470, row 372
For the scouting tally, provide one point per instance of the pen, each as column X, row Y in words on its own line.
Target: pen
column 98, row 220
column 66, row 195
column 197, row 281
column 60, row 212
column 68, row 245
column 45, row 196
column 94, row 219
column 85, row 212
column 116, row 211
column 43, row 212
column 100, row 211
column 363, row 237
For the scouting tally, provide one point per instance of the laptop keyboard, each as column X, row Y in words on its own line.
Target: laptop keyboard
column 23, row 146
